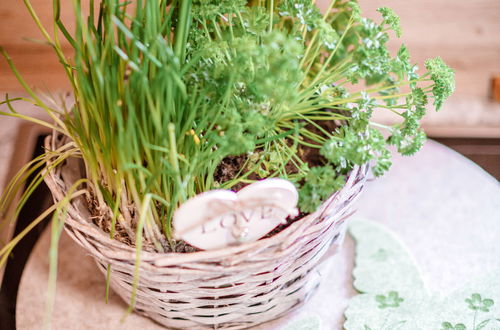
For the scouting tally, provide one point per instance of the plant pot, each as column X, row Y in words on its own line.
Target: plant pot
column 231, row 288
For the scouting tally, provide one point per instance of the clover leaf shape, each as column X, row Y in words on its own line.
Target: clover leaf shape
column 476, row 303
column 391, row 300
column 449, row 326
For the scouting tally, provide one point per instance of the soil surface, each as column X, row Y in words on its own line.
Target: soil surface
column 227, row 170
column 232, row 165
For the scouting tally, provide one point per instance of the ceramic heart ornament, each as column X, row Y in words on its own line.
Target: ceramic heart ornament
column 220, row 218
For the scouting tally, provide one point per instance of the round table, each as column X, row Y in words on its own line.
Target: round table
column 445, row 208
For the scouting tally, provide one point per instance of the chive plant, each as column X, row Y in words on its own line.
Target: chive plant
column 165, row 91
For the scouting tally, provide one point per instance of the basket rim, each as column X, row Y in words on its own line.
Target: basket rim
column 290, row 234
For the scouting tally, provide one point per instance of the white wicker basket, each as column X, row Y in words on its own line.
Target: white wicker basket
column 231, row 288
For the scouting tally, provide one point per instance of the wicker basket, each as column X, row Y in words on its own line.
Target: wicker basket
column 231, row 288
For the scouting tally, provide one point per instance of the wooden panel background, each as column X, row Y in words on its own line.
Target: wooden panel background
column 465, row 33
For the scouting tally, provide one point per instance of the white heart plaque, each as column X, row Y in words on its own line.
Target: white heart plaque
column 220, row 218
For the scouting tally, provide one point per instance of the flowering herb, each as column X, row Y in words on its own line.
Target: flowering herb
column 167, row 91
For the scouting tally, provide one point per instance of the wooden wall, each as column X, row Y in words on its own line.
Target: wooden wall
column 34, row 61
column 465, row 33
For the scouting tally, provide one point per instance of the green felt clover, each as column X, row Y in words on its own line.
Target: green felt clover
column 392, row 293
column 449, row 326
column 476, row 303
column 391, row 300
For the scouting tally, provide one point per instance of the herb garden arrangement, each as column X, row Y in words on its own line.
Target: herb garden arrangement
column 176, row 98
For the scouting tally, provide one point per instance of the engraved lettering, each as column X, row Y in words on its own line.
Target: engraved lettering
column 247, row 216
column 267, row 212
column 209, row 227
column 228, row 220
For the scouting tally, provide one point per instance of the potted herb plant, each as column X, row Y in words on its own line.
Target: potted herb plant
column 178, row 102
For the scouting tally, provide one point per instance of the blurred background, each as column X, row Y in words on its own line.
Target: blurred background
column 466, row 34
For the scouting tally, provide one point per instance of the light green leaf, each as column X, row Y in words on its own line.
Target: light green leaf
column 393, row 295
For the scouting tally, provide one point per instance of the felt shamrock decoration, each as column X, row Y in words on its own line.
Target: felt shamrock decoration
column 393, row 294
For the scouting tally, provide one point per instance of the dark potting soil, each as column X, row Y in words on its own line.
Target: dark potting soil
column 232, row 165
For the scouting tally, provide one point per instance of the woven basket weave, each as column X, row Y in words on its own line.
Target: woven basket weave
column 232, row 288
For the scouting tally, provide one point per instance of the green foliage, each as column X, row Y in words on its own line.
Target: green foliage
column 166, row 90
column 443, row 78
column 318, row 185
column 351, row 148
column 265, row 70
column 303, row 11
column 477, row 303
column 392, row 300
column 449, row 326
column 390, row 19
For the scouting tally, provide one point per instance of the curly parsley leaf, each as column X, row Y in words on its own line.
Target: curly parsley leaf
column 391, row 19
column 444, row 80
column 320, row 182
